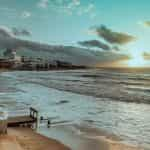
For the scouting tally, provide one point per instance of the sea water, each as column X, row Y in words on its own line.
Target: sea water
column 113, row 100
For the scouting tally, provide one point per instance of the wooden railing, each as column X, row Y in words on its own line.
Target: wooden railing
column 30, row 120
column 34, row 115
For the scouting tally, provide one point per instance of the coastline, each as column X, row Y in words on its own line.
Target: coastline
column 27, row 139
column 21, row 138
column 87, row 139
column 99, row 141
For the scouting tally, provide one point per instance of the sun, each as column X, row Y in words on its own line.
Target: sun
column 136, row 60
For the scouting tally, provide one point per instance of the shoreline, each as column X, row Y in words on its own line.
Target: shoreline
column 87, row 139
column 96, row 139
column 19, row 138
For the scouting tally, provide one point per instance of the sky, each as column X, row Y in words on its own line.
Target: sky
column 114, row 30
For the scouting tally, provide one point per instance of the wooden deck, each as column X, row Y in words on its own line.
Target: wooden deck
column 29, row 120
column 16, row 121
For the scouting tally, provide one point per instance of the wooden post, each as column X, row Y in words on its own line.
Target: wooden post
column 34, row 115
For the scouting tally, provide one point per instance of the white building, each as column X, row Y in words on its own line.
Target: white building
column 12, row 55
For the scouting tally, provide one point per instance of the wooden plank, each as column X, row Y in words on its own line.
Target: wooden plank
column 31, row 119
column 15, row 121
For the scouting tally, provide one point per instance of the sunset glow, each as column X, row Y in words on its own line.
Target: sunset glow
column 80, row 32
column 136, row 61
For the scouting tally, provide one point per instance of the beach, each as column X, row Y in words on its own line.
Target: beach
column 86, row 138
column 74, row 75
column 116, row 103
column 26, row 139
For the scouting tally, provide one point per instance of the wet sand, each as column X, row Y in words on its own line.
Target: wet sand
column 87, row 139
column 26, row 139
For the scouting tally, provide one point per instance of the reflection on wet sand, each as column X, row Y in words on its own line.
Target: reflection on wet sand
column 84, row 138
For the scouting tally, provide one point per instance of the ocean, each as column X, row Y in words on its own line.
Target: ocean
column 116, row 101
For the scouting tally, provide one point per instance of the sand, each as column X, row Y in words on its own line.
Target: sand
column 87, row 139
column 107, row 144
column 27, row 139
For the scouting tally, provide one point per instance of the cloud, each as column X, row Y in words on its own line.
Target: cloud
column 144, row 24
column 116, row 48
column 71, row 54
column 14, row 13
column 73, row 3
column 43, row 3
column 25, row 14
column 147, row 23
column 76, row 2
column 21, row 32
column 69, row 7
column 94, row 43
column 146, row 55
column 89, row 9
column 5, row 32
column 113, row 37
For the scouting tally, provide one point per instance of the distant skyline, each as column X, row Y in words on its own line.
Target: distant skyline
column 117, row 32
